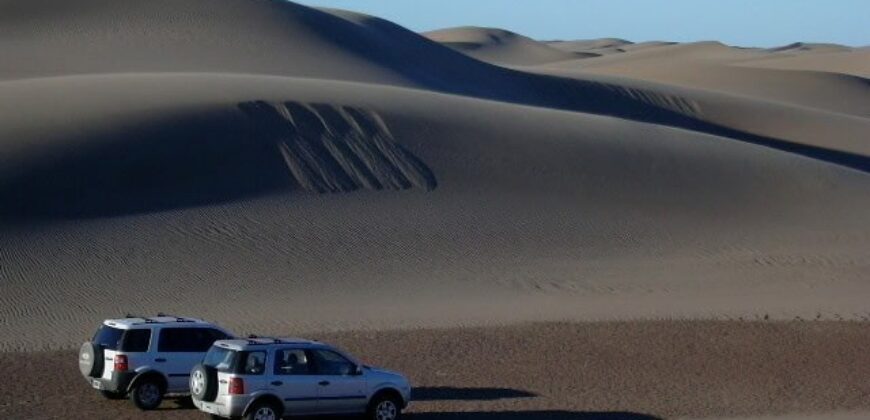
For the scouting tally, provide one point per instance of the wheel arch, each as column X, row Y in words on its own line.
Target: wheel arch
column 146, row 375
column 388, row 390
column 270, row 398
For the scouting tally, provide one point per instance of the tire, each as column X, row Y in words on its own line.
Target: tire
column 263, row 410
column 203, row 383
column 147, row 394
column 91, row 360
column 384, row 406
column 109, row 395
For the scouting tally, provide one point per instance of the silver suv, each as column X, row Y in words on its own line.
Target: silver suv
column 269, row 378
column 146, row 357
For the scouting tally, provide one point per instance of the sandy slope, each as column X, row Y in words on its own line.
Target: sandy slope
column 595, row 218
column 747, row 72
column 855, row 62
column 278, row 168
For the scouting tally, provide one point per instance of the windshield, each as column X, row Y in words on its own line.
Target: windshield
column 108, row 337
column 220, row 358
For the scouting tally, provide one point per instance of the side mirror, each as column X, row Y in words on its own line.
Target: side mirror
column 357, row 370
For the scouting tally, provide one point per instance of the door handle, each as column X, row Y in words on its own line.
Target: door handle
column 277, row 383
column 323, row 383
column 161, row 360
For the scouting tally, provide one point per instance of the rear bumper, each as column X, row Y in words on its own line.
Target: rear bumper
column 120, row 382
column 233, row 406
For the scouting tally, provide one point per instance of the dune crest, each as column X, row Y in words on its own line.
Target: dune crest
column 500, row 46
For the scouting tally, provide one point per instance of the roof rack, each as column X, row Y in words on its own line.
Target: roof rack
column 252, row 337
column 177, row 318
column 145, row 320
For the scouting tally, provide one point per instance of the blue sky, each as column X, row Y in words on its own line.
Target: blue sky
column 736, row 22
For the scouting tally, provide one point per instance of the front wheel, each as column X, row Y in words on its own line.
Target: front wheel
column 384, row 407
column 147, row 395
column 263, row 411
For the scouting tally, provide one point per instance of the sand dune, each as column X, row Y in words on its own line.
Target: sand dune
column 594, row 211
column 713, row 66
column 501, row 46
column 317, row 170
column 604, row 46
column 850, row 62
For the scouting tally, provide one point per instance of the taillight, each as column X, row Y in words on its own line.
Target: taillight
column 237, row 386
column 121, row 363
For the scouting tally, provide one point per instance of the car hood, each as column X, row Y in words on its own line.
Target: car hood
column 385, row 372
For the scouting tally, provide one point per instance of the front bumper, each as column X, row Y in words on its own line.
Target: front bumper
column 120, row 382
column 225, row 406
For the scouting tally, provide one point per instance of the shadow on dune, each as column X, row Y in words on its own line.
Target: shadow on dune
column 467, row 394
column 530, row 415
column 208, row 158
column 162, row 164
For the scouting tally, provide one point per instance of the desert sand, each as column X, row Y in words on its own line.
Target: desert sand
column 281, row 169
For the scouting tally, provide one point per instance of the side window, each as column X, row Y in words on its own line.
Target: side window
column 217, row 335
column 202, row 338
column 331, row 363
column 253, row 363
column 187, row 340
column 136, row 341
column 292, row 362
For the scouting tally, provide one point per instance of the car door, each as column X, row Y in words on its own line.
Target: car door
column 340, row 388
column 178, row 350
column 294, row 381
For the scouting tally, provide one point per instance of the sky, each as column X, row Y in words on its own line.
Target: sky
column 749, row 23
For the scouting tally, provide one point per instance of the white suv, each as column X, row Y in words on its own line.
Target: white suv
column 269, row 378
column 146, row 357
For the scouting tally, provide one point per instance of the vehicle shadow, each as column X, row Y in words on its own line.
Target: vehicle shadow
column 447, row 393
column 531, row 415
column 491, row 394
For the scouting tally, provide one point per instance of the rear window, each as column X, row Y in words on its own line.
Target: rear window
column 221, row 359
column 133, row 341
column 108, row 337
column 232, row 361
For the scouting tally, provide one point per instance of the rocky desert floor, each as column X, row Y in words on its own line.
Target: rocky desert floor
column 567, row 371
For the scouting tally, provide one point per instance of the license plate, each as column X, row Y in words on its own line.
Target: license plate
column 97, row 384
column 210, row 408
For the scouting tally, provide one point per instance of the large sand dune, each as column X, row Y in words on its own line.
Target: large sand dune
column 501, row 46
column 279, row 168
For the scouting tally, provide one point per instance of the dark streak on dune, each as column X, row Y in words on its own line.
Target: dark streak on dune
column 335, row 149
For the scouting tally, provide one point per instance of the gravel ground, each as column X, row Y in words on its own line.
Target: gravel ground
column 609, row 370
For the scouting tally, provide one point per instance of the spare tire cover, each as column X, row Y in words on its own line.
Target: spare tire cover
column 203, row 382
column 91, row 360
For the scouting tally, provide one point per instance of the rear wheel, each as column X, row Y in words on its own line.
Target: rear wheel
column 264, row 411
column 109, row 395
column 384, row 407
column 147, row 394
